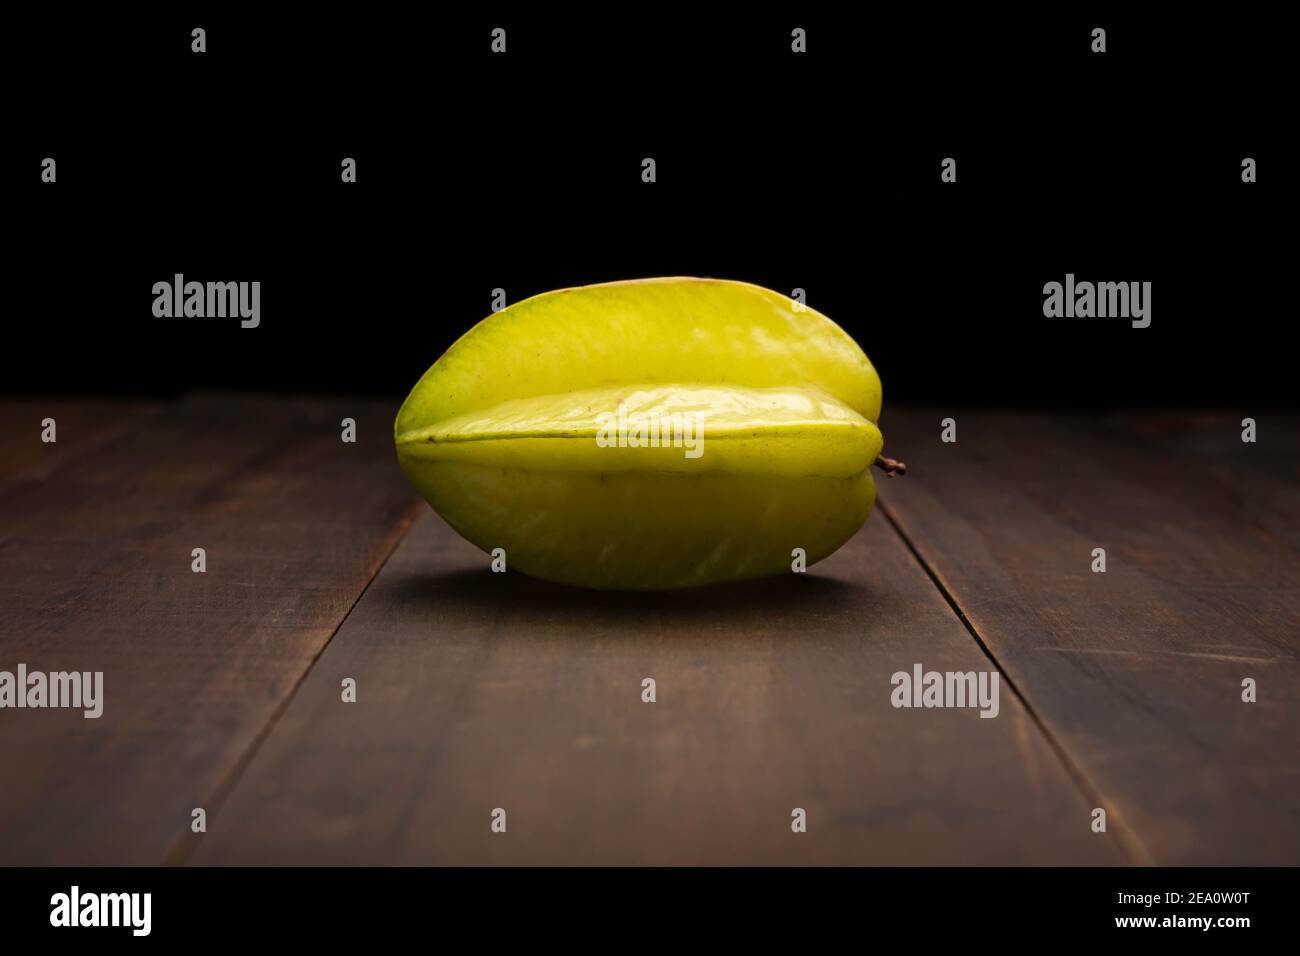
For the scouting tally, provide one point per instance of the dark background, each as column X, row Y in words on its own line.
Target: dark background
column 522, row 171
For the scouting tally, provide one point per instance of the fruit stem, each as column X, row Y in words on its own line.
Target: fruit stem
column 890, row 466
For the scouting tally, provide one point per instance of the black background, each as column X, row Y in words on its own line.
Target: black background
column 733, row 909
column 522, row 171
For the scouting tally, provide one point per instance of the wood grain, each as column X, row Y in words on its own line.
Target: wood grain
column 95, row 575
column 81, row 428
column 1137, row 672
column 479, row 690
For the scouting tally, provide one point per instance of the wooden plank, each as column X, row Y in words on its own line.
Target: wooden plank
column 479, row 691
column 95, row 575
column 1137, row 672
column 81, row 427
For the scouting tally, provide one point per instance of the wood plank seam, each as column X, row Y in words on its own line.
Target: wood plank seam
column 1128, row 840
column 502, row 691
column 188, row 842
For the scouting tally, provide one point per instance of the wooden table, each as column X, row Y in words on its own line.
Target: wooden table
column 475, row 691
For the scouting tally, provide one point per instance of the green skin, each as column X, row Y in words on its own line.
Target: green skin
column 519, row 435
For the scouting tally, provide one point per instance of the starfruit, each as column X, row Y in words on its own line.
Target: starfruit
column 649, row 434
